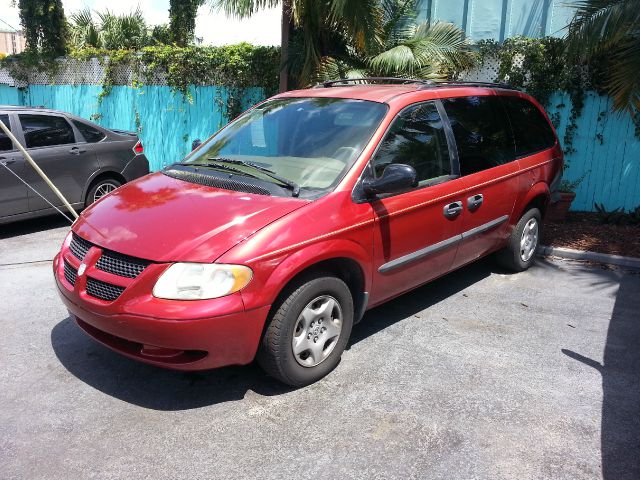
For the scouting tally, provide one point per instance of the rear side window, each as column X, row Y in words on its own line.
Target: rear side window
column 46, row 130
column 531, row 130
column 416, row 138
column 482, row 132
column 90, row 134
column 5, row 142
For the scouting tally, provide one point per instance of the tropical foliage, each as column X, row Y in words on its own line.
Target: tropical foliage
column 611, row 28
column 44, row 26
column 406, row 48
column 182, row 20
column 362, row 37
column 110, row 31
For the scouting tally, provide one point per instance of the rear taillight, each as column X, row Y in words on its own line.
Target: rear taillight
column 138, row 148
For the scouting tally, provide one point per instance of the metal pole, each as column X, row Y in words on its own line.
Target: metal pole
column 6, row 130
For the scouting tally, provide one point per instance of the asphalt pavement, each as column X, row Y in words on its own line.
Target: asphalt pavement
column 479, row 375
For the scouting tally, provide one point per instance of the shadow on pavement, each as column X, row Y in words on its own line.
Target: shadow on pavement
column 160, row 389
column 620, row 431
column 25, row 227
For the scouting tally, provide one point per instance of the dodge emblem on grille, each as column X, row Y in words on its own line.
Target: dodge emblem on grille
column 81, row 269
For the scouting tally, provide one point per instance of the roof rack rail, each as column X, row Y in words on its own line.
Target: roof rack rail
column 344, row 81
column 506, row 86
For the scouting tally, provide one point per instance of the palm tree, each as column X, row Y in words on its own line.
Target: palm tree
column 613, row 27
column 111, row 31
column 407, row 48
column 355, row 38
column 316, row 23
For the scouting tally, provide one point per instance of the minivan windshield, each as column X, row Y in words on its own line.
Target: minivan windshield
column 305, row 145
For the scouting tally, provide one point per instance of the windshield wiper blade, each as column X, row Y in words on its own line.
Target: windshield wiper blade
column 295, row 188
column 220, row 166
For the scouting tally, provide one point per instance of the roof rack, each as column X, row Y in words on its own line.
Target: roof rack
column 506, row 86
column 344, row 81
column 423, row 84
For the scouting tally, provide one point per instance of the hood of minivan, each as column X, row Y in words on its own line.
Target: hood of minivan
column 163, row 219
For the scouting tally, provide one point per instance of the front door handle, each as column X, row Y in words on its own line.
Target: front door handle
column 474, row 202
column 453, row 210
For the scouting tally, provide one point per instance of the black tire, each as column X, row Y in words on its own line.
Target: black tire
column 99, row 184
column 511, row 257
column 275, row 353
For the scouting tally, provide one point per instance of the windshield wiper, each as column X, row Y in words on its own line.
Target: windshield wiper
column 220, row 166
column 295, row 188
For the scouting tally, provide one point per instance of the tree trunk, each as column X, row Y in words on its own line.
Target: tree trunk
column 284, row 45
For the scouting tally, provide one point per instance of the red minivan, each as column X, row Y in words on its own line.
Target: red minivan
column 273, row 237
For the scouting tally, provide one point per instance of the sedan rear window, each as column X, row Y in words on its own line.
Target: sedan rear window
column 311, row 142
column 90, row 134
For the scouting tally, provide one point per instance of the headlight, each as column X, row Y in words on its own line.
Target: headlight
column 199, row 281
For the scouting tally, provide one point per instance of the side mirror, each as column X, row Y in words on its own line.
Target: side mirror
column 195, row 144
column 395, row 178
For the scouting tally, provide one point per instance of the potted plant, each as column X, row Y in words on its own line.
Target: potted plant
column 562, row 200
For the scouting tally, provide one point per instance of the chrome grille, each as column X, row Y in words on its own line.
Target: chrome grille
column 121, row 265
column 79, row 246
column 70, row 273
column 102, row 290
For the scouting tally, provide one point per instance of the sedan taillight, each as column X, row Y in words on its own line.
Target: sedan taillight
column 138, row 148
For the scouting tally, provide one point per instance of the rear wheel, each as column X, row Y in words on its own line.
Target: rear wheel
column 519, row 254
column 101, row 188
column 308, row 332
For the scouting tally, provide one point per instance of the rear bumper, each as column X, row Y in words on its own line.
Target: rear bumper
column 189, row 344
column 136, row 168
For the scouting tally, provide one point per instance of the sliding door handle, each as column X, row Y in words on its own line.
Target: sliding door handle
column 453, row 210
column 474, row 202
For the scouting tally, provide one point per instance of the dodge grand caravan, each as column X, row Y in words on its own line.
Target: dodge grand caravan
column 273, row 237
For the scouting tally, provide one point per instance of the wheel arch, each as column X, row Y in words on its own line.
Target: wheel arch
column 538, row 196
column 99, row 176
column 345, row 259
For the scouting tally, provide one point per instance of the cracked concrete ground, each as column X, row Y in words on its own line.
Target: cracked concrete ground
column 480, row 374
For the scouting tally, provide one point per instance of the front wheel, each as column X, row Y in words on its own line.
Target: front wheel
column 308, row 332
column 520, row 252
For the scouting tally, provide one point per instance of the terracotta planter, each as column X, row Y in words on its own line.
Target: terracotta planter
column 558, row 210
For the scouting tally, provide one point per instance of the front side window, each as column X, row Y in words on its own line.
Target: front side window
column 416, row 138
column 46, row 130
column 5, row 142
column 310, row 142
column 482, row 132
column 90, row 134
column 531, row 130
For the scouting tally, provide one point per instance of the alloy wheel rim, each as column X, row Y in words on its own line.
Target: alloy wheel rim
column 103, row 189
column 529, row 240
column 317, row 331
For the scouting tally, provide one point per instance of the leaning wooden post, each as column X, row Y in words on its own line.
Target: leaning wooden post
column 6, row 130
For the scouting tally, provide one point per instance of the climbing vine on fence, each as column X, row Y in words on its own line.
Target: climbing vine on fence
column 542, row 67
column 235, row 67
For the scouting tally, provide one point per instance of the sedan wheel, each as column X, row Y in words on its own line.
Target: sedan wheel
column 103, row 189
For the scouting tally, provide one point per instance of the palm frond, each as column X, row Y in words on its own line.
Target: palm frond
column 242, row 8
column 599, row 24
column 624, row 80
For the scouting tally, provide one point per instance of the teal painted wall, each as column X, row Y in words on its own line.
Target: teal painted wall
column 168, row 122
column 500, row 19
column 607, row 150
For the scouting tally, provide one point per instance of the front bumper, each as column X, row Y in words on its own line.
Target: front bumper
column 182, row 340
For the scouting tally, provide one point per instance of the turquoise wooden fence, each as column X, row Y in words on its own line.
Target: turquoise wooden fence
column 500, row 19
column 607, row 155
column 167, row 122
